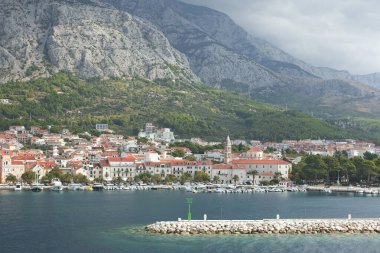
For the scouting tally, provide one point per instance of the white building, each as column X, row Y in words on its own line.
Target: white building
column 266, row 169
column 164, row 134
column 254, row 153
column 101, row 127
column 114, row 167
column 226, row 173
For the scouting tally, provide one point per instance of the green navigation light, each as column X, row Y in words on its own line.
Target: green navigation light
column 189, row 201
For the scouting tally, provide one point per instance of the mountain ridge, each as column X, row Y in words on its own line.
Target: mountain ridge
column 168, row 39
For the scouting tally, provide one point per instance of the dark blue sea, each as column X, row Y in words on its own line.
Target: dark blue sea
column 113, row 221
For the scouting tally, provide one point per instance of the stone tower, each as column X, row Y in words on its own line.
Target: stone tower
column 228, row 151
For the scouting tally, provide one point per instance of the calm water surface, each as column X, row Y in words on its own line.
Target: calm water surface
column 113, row 221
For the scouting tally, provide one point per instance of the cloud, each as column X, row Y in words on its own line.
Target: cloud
column 342, row 34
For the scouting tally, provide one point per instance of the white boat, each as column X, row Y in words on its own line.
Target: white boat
column 327, row 190
column 56, row 185
column 18, row 187
column 98, row 187
column 110, row 187
column 74, row 186
column 36, row 187
column 360, row 191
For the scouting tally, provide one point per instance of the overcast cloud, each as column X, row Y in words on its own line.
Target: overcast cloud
column 342, row 34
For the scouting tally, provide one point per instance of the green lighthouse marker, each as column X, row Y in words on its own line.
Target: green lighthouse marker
column 189, row 201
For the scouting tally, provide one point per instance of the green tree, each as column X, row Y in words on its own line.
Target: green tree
column 28, row 177
column 178, row 153
column 201, row 176
column 156, row 179
column 369, row 156
column 333, row 166
column 145, row 177
column 10, row 178
column 66, row 178
column 190, row 158
column 80, row 178
column 254, row 174
column 185, row 177
column 99, row 179
column 216, row 179
column 170, row 178
column 315, row 169
column 235, row 178
column 117, row 180
column 142, row 140
column 277, row 175
column 54, row 173
column 369, row 170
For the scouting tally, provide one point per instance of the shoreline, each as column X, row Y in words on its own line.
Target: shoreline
column 267, row 226
column 220, row 189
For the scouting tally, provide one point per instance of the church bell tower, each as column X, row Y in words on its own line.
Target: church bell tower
column 228, row 151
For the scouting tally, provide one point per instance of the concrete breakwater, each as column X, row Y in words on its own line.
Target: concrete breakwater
column 279, row 226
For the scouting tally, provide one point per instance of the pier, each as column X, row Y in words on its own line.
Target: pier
column 266, row 226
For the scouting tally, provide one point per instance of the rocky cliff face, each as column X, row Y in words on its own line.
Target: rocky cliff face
column 84, row 37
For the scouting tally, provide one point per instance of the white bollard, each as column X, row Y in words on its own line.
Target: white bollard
column 179, row 219
column 205, row 217
column 277, row 216
column 349, row 216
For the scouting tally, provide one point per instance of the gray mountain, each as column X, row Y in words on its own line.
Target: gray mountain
column 370, row 79
column 224, row 55
column 84, row 37
column 167, row 39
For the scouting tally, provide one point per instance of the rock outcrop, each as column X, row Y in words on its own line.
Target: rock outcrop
column 87, row 38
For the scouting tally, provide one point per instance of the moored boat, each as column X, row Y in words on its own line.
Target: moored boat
column 74, row 186
column 98, row 187
column 56, row 185
column 36, row 188
column 18, row 187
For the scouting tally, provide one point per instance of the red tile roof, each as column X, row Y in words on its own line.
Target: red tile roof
column 256, row 161
column 255, row 149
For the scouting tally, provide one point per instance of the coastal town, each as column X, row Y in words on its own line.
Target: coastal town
column 151, row 156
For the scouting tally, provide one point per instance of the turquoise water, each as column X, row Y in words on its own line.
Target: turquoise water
column 113, row 221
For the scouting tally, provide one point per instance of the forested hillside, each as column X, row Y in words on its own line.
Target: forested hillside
column 65, row 101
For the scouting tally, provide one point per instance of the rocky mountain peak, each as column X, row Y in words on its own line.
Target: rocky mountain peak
column 84, row 37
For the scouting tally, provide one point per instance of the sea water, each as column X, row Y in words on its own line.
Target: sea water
column 113, row 221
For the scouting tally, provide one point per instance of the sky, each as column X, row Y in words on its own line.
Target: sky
column 341, row 34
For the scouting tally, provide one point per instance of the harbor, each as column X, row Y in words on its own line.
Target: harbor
column 198, row 188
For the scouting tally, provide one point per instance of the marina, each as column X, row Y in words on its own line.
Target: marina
column 190, row 188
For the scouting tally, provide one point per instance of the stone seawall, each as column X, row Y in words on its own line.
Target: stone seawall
column 280, row 226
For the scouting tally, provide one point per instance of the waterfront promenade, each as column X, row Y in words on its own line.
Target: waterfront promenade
column 266, row 226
